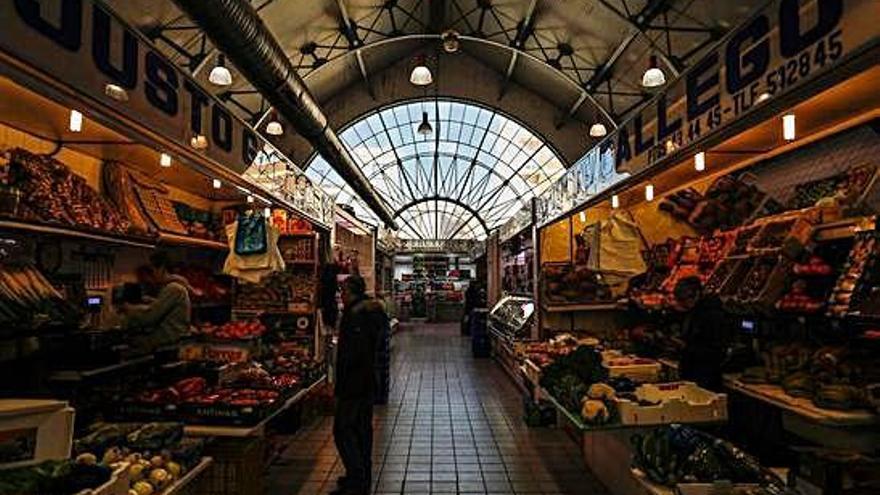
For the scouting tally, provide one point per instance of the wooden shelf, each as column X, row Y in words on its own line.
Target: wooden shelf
column 842, row 229
column 776, row 396
column 71, row 233
column 80, row 375
column 193, row 242
column 179, row 485
column 576, row 308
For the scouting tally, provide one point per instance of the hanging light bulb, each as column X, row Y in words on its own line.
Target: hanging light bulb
column 700, row 161
column 615, row 201
column 649, row 192
column 165, row 160
column 274, row 128
column 789, row 128
column 421, row 74
column 598, row 130
column 220, row 75
column 425, row 127
column 217, row 184
column 76, row 121
column 654, row 76
column 450, row 41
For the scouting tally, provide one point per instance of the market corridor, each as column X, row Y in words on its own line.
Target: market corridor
column 453, row 425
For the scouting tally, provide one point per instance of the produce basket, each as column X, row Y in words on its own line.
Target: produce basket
column 765, row 283
column 676, row 402
column 740, row 269
column 744, row 237
column 788, row 235
column 640, row 370
column 118, row 484
column 226, row 414
column 720, row 275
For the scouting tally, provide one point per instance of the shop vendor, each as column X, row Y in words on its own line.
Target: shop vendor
column 165, row 317
column 703, row 334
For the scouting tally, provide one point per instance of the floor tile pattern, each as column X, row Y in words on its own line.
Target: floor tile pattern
column 453, row 426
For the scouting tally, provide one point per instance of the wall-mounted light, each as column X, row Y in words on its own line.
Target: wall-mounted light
column 654, row 76
column 583, row 217
column 76, row 121
column 649, row 192
column 615, row 201
column 216, row 184
column 598, row 130
column 763, row 97
column 700, row 161
column 789, row 127
column 267, row 212
column 220, row 75
column 165, row 160
column 199, row 142
column 250, row 199
column 116, row 92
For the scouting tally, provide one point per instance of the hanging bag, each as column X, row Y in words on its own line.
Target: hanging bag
column 250, row 236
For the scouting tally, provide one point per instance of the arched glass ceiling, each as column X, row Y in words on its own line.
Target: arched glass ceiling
column 470, row 174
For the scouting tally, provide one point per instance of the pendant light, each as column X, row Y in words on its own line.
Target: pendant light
column 274, row 127
column 654, row 76
column 598, row 130
column 425, row 128
column 220, row 75
column 421, row 74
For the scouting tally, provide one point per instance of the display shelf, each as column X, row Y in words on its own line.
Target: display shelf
column 80, row 375
column 193, row 242
column 35, row 228
column 181, row 484
column 843, row 229
column 254, row 430
column 776, row 396
column 584, row 307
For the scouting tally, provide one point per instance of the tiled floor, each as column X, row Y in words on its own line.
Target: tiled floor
column 453, row 425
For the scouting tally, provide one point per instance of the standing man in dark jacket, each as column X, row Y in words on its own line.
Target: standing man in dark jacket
column 362, row 321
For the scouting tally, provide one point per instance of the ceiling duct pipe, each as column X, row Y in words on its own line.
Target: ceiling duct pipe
column 236, row 29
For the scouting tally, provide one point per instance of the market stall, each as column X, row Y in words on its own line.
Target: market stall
column 745, row 211
column 98, row 174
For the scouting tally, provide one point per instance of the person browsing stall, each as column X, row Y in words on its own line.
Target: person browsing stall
column 164, row 319
column 363, row 319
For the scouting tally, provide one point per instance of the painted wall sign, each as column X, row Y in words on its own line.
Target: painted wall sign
column 85, row 45
column 778, row 49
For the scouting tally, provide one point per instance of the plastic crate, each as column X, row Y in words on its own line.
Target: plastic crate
column 619, row 366
column 773, row 287
column 33, row 431
column 237, row 468
column 677, row 402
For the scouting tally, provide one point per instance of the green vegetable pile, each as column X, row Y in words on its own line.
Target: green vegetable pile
column 569, row 376
column 53, row 478
column 679, row 454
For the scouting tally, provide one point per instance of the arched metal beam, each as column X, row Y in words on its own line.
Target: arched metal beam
column 444, row 199
column 585, row 95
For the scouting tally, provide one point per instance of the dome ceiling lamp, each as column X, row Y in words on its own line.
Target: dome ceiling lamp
column 274, row 127
column 220, row 74
column 598, row 130
column 421, row 75
column 654, row 77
